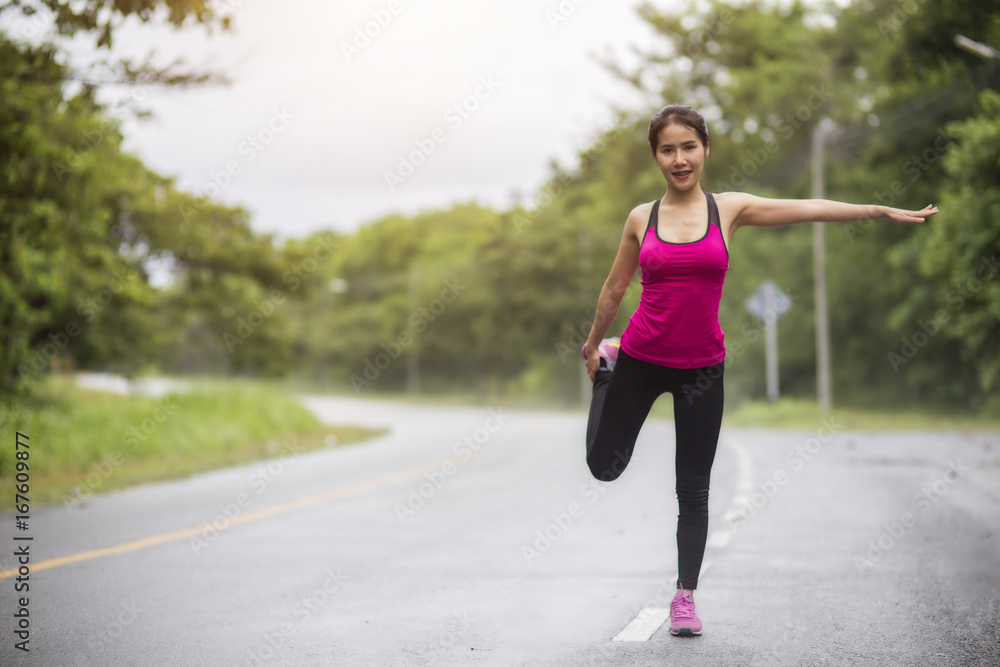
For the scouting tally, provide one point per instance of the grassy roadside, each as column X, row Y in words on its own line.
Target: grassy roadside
column 86, row 442
column 792, row 413
column 801, row 414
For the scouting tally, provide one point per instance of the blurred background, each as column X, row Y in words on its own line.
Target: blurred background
column 393, row 197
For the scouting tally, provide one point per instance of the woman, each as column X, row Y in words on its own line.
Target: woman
column 673, row 342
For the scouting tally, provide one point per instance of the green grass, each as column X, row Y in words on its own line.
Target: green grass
column 84, row 442
column 794, row 413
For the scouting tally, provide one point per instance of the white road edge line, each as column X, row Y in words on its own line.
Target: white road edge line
column 649, row 619
column 719, row 538
column 744, row 482
column 642, row 627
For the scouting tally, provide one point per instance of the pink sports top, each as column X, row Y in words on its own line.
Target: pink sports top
column 677, row 321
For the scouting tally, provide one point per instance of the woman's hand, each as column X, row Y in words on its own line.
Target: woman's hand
column 901, row 216
column 593, row 362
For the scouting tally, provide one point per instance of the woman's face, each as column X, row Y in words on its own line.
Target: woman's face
column 681, row 156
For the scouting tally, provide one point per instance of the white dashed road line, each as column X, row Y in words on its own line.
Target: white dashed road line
column 642, row 627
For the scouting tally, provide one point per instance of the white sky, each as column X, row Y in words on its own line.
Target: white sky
column 353, row 120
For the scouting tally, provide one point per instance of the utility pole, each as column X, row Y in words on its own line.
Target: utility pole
column 586, row 386
column 413, row 358
column 823, row 391
column 771, row 342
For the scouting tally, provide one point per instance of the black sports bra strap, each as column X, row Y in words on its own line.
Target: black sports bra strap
column 713, row 211
column 652, row 215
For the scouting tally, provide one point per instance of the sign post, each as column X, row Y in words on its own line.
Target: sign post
column 768, row 303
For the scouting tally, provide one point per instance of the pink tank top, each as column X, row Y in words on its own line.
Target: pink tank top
column 677, row 321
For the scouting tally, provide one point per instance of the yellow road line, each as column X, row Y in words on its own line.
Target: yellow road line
column 252, row 516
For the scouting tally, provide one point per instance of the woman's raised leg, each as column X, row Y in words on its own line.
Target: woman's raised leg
column 619, row 406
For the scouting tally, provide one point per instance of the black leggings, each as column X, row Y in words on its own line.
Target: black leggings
column 622, row 400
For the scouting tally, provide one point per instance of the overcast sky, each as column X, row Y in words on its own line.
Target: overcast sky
column 329, row 125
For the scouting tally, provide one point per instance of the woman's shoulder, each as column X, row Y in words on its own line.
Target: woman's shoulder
column 639, row 215
column 732, row 203
column 738, row 198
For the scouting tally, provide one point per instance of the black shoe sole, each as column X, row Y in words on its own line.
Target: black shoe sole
column 685, row 632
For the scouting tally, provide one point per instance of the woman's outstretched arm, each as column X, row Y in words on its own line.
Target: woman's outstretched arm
column 761, row 211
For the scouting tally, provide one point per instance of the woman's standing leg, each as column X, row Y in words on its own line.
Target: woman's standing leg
column 619, row 406
column 698, row 420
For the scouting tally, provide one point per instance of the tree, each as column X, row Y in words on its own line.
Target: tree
column 99, row 19
column 959, row 254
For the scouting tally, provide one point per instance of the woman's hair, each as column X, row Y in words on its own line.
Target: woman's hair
column 680, row 114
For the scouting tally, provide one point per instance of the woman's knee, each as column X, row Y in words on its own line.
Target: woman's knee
column 693, row 494
column 608, row 470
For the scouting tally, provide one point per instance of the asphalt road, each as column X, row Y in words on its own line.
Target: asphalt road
column 474, row 536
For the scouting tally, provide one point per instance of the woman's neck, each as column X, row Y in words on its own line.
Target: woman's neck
column 684, row 197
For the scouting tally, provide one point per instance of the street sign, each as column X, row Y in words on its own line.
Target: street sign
column 769, row 303
column 757, row 302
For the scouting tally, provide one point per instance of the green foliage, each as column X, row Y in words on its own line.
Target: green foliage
column 81, row 225
column 479, row 300
column 959, row 254
column 61, row 274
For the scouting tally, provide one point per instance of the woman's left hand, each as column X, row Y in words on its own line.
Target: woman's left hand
column 901, row 216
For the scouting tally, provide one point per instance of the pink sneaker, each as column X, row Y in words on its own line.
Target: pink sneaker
column 607, row 350
column 683, row 618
